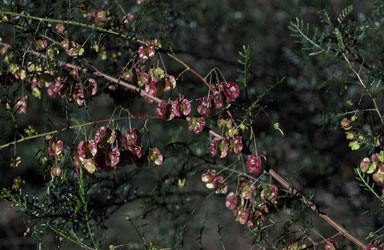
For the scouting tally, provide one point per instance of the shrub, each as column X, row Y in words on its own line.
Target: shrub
column 119, row 123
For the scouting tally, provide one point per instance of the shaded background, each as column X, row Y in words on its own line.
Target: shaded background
column 314, row 153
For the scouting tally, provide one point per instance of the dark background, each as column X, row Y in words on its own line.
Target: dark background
column 313, row 154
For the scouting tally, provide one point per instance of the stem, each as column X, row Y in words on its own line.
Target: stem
column 366, row 184
column 108, row 31
column 300, row 31
column 353, row 70
column 238, row 172
column 314, row 208
column 73, row 127
column 138, row 232
column 69, row 238
column 190, row 69
column 336, row 235
column 85, row 206
column 364, row 86
column 92, row 27
column 125, row 84
column 377, row 110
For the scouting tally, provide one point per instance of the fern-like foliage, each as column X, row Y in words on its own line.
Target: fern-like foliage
column 245, row 56
column 334, row 41
column 310, row 42
column 365, row 182
column 344, row 13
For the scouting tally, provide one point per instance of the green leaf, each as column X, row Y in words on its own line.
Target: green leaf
column 381, row 156
column 339, row 38
column 354, row 145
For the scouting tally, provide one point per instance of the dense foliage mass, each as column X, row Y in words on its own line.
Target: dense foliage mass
column 191, row 125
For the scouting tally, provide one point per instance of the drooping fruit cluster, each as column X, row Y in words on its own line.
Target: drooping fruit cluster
column 15, row 161
column 43, row 74
column 358, row 138
column 21, row 104
column 110, row 148
column 250, row 201
column 225, row 146
column 77, row 90
column 176, row 108
column 256, row 163
column 72, row 48
column 146, row 52
column 231, row 143
column 55, row 153
column 182, row 107
column 196, row 124
column 214, row 181
column 374, row 165
column 331, row 245
column 100, row 17
column 294, row 246
column 55, row 147
column 375, row 245
column 154, row 80
column 228, row 89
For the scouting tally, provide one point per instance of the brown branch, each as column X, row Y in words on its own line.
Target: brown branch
column 189, row 69
column 314, row 208
column 125, row 84
column 336, row 235
column 271, row 172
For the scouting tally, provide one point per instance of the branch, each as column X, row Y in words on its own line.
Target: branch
column 315, row 209
column 336, row 235
column 102, row 30
column 27, row 138
column 271, row 172
column 92, row 27
column 98, row 73
column 190, row 69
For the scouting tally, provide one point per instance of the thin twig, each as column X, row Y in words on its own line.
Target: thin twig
column 27, row 138
column 364, row 86
column 89, row 26
column 336, row 235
